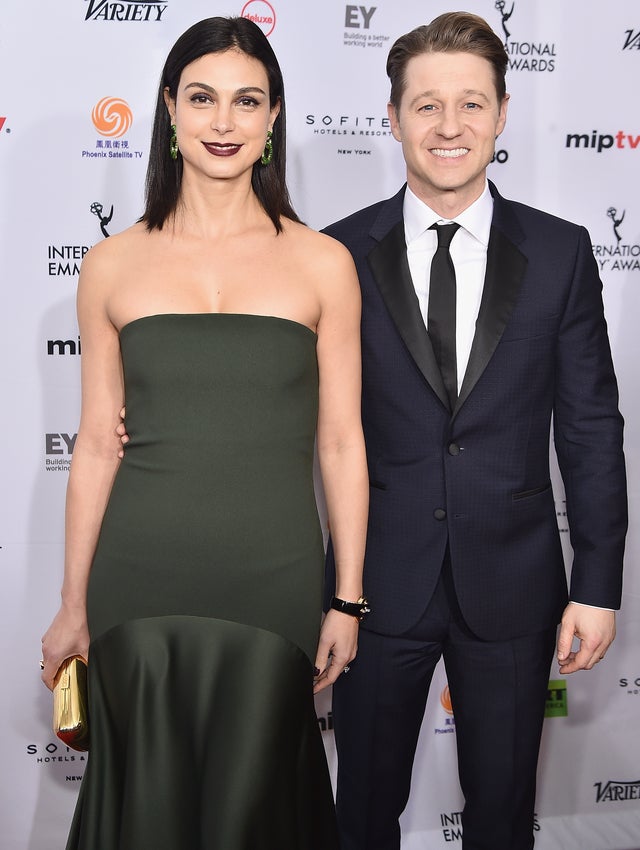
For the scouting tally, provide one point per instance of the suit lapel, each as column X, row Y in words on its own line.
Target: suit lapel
column 390, row 268
column 506, row 267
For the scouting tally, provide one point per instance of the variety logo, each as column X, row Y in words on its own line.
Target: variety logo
column 556, row 705
column 64, row 260
column 632, row 40
column 97, row 209
column 618, row 256
column 603, row 141
column 112, row 117
column 357, row 20
column 525, row 55
column 261, row 13
column 125, row 10
column 615, row 791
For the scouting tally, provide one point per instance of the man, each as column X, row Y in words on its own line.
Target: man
column 463, row 554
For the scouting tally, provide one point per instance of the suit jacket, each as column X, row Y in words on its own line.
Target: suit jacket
column 478, row 477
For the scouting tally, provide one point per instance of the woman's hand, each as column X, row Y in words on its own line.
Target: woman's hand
column 67, row 635
column 337, row 647
column 121, row 431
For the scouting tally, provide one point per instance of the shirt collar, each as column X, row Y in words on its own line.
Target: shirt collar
column 476, row 219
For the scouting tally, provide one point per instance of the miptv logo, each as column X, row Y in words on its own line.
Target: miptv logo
column 112, row 117
column 261, row 13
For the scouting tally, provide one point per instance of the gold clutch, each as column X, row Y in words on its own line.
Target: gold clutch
column 70, row 704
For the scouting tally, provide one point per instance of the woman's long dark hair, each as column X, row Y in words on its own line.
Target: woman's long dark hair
column 164, row 175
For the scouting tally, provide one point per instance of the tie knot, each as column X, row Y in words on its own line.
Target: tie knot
column 445, row 233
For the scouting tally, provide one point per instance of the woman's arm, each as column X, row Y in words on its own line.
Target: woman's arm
column 341, row 454
column 93, row 465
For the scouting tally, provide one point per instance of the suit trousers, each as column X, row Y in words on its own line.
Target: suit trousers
column 498, row 692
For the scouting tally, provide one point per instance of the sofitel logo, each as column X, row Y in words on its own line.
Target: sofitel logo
column 525, row 55
column 619, row 256
column 125, row 10
column 614, row 791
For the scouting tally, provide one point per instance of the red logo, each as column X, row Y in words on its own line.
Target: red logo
column 112, row 117
column 2, row 120
column 261, row 13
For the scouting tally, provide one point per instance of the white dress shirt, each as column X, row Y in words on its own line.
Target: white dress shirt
column 468, row 251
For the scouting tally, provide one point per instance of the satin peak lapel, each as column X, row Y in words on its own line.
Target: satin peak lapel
column 506, row 266
column 388, row 262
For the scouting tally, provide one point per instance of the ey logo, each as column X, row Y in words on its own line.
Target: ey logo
column 357, row 17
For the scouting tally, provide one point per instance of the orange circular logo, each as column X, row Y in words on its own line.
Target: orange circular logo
column 445, row 700
column 112, row 117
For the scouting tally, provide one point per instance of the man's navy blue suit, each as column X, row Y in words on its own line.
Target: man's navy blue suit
column 471, row 489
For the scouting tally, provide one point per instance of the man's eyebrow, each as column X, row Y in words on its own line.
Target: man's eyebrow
column 436, row 94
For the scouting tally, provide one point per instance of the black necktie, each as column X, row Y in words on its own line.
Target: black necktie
column 441, row 316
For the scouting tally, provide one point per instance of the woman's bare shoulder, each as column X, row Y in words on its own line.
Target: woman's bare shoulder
column 326, row 251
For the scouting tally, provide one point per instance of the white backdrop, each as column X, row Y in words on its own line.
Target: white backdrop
column 69, row 178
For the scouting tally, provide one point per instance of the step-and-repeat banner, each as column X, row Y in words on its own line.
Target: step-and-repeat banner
column 77, row 89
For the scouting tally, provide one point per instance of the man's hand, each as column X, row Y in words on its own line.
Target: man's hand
column 595, row 630
column 121, row 431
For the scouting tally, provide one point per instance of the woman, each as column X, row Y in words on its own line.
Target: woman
column 193, row 570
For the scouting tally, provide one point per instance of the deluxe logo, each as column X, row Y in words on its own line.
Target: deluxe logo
column 620, row 256
column 614, row 791
column 97, row 209
column 556, row 705
column 261, row 13
column 527, row 55
column 112, row 117
column 125, row 10
column 603, row 141
column 632, row 40
column 64, row 260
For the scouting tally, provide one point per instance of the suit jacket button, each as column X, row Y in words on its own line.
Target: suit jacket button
column 440, row 514
column 453, row 449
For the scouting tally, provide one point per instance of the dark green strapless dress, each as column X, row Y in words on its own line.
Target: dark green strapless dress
column 204, row 598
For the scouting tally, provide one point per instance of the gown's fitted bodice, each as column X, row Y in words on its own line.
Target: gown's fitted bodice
column 213, row 509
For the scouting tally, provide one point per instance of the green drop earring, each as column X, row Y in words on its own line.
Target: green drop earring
column 173, row 143
column 267, row 153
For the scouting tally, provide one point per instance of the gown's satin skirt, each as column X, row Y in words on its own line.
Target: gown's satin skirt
column 203, row 738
